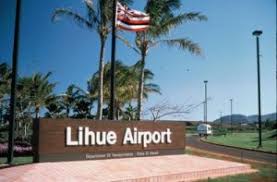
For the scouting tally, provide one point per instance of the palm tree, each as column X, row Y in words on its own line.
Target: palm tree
column 5, row 82
column 163, row 19
column 55, row 110
column 98, row 18
column 5, row 79
column 130, row 113
column 82, row 107
column 42, row 91
column 69, row 98
column 126, row 84
column 37, row 90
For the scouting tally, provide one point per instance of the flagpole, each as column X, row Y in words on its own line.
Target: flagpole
column 13, row 84
column 112, row 83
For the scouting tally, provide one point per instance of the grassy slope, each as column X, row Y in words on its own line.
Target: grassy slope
column 266, row 173
column 247, row 140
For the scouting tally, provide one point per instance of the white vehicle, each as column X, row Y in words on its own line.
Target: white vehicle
column 204, row 129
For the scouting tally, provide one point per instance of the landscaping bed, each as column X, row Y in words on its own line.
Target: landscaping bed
column 20, row 149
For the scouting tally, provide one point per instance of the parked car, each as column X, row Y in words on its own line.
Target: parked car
column 204, row 129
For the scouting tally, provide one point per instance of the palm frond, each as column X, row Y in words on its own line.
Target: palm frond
column 79, row 19
column 168, row 23
column 126, row 2
column 152, row 88
column 127, row 43
column 105, row 12
column 148, row 74
column 162, row 6
column 194, row 16
column 184, row 44
column 92, row 14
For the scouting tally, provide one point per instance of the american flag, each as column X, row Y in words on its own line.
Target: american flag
column 131, row 20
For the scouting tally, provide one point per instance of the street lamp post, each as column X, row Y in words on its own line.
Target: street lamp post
column 206, row 104
column 13, row 84
column 257, row 33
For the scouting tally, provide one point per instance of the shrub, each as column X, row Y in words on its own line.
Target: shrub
column 18, row 150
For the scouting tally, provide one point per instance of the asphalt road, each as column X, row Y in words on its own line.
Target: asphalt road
column 195, row 142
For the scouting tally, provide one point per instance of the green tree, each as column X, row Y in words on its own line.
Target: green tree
column 36, row 91
column 126, row 84
column 164, row 18
column 82, row 107
column 23, row 107
column 98, row 17
column 75, row 103
column 5, row 82
column 5, row 79
column 33, row 93
column 130, row 113
column 55, row 109
column 69, row 98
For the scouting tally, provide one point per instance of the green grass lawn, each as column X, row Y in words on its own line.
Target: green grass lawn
column 247, row 140
column 17, row 160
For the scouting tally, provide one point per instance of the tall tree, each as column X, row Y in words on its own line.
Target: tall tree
column 129, row 113
column 69, row 98
column 164, row 18
column 127, row 84
column 5, row 83
column 55, row 108
column 5, row 79
column 82, row 107
column 37, row 90
column 23, row 105
column 98, row 17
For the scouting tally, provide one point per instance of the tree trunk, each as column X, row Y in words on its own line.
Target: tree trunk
column 25, row 131
column 17, row 128
column 117, row 113
column 141, row 83
column 67, row 112
column 101, row 80
column 117, row 110
column 37, row 112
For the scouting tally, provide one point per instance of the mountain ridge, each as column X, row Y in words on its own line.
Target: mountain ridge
column 240, row 118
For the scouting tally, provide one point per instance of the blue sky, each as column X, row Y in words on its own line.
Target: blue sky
column 229, row 63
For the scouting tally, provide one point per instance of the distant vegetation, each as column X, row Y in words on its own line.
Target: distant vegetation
column 240, row 118
column 242, row 123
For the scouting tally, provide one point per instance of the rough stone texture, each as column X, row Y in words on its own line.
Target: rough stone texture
column 152, row 169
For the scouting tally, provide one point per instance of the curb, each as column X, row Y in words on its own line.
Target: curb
column 253, row 150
